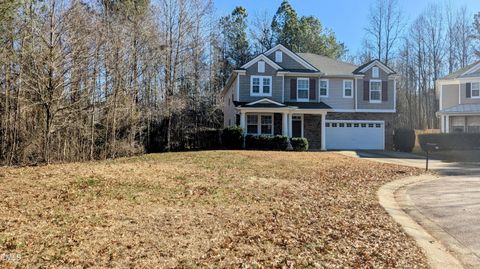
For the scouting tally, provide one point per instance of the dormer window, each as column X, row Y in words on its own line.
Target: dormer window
column 278, row 56
column 375, row 72
column 261, row 67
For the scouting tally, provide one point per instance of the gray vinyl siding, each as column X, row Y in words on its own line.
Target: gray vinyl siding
column 389, row 104
column 229, row 108
column 287, row 62
column 335, row 95
column 449, row 95
column 287, row 89
column 463, row 95
column 253, row 71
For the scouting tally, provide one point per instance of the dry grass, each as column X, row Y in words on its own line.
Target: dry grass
column 203, row 209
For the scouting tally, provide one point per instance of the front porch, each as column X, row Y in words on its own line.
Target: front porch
column 288, row 121
column 460, row 119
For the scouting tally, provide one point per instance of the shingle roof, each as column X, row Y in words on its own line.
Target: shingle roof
column 359, row 69
column 462, row 109
column 309, row 105
column 328, row 65
column 460, row 71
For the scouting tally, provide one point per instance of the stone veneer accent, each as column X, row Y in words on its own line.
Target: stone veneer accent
column 312, row 130
column 387, row 117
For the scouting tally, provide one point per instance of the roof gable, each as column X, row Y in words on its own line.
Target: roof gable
column 264, row 58
column 293, row 55
column 363, row 68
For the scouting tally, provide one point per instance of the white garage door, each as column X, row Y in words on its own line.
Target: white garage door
column 355, row 134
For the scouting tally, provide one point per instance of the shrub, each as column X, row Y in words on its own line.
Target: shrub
column 264, row 142
column 404, row 139
column 299, row 143
column 457, row 141
column 232, row 137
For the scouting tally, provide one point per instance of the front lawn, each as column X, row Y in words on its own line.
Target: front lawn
column 203, row 209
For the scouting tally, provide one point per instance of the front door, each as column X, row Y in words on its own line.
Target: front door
column 297, row 126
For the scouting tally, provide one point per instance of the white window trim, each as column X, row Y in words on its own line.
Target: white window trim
column 375, row 68
column 320, row 88
column 471, row 90
column 261, row 86
column 370, row 91
column 351, row 89
column 259, row 123
column 308, row 90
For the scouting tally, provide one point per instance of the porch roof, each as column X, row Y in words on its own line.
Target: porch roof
column 292, row 105
column 461, row 109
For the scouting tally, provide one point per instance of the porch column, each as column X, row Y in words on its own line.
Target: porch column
column 242, row 120
column 324, row 146
column 447, row 124
column 289, row 125
column 442, row 123
column 285, row 124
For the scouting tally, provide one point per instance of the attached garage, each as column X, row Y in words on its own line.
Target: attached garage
column 355, row 134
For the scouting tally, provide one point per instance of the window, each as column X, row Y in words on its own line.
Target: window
column 375, row 72
column 364, row 125
column 261, row 86
column 356, row 125
column 348, row 88
column 476, row 90
column 375, row 91
column 370, row 125
column 267, row 124
column 473, row 129
column 278, row 56
column 327, row 124
column 341, row 125
column 324, row 88
column 302, row 89
column 458, row 129
column 252, row 124
column 378, row 125
column 349, row 125
column 261, row 67
column 260, row 124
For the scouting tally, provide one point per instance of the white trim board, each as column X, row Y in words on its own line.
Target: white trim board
column 265, row 100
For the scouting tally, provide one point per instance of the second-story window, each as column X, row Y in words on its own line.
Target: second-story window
column 302, row 89
column 476, row 89
column 375, row 91
column 348, row 88
column 323, row 88
column 261, row 86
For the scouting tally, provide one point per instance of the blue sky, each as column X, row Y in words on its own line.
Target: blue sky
column 347, row 18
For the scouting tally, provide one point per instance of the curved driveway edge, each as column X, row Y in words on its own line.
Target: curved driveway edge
column 438, row 256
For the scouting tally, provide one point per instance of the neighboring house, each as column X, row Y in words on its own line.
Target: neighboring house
column 459, row 100
column 335, row 105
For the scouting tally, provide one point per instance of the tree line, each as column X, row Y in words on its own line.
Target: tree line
column 96, row 79
column 441, row 40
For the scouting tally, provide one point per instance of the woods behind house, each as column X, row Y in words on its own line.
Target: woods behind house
column 98, row 79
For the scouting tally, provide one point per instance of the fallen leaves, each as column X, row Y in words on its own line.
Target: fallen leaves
column 226, row 209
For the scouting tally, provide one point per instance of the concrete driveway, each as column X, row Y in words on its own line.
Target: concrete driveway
column 447, row 207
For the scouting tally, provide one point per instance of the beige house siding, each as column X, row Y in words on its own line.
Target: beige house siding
column 463, row 95
column 449, row 95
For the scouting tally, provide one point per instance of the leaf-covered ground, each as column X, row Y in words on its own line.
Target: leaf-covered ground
column 203, row 209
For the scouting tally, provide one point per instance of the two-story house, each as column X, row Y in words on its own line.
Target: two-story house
column 335, row 105
column 459, row 100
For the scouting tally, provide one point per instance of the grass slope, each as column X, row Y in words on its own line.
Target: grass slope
column 203, row 209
